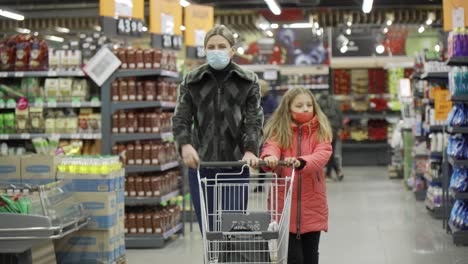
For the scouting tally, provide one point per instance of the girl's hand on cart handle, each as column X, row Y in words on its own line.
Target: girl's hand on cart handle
column 292, row 161
column 271, row 161
column 190, row 156
column 250, row 159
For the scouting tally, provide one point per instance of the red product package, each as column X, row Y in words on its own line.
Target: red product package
column 39, row 56
column 23, row 52
column 8, row 54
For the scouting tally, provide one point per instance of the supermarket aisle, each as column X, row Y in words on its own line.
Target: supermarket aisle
column 372, row 221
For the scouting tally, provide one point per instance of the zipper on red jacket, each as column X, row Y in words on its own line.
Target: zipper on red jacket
column 299, row 187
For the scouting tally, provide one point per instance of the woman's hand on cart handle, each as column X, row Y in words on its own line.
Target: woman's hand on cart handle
column 250, row 159
column 271, row 161
column 190, row 156
column 292, row 162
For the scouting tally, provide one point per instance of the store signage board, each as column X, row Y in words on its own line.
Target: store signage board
column 122, row 17
column 270, row 75
column 127, row 26
column 452, row 10
column 165, row 23
column 102, row 66
column 405, row 88
column 123, row 8
column 442, row 104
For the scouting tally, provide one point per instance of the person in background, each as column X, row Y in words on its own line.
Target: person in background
column 218, row 117
column 332, row 110
column 299, row 133
column 269, row 105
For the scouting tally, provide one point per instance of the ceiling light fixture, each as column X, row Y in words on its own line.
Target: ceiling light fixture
column 62, row 30
column 437, row 48
column 23, row 30
column 316, row 25
column 421, row 29
column 274, row 25
column 274, row 7
column 54, row 38
column 344, row 49
column 348, row 31
column 367, row 6
column 430, row 18
column 184, row 3
column 144, row 29
column 240, row 50
column 11, row 15
column 389, row 22
column 385, row 30
column 263, row 26
column 380, row 49
column 320, row 32
column 299, row 25
column 269, row 33
column 349, row 23
column 182, row 27
column 429, row 22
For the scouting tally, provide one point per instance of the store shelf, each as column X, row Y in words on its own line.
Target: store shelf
column 306, row 86
column 436, row 155
column 458, row 163
column 458, row 61
column 115, row 106
column 433, row 180
column 435, row 128
column 434, row 75
column 60, row 73
column 26, row 136
column 143, row 168
column 371, row 115
column 460, row 237
column 456, row 130
column 420, row 195
column 460, row 98
column 141, row 72
column 140, row 136
column 365, row 144
column 415, row 75
column 58, row 105
column 150, row 241
column 435, row 211
column 459, row 196
column 136, row 201
column 421, row 156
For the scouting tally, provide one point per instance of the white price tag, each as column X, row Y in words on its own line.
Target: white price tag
column 3, row 74
column 102, row 65
column 123, row 8
column 76, row 104
column 52, row 74
column 38, row 104
column 52, row 104
column 75, row 136
column 19, row 74
column 11, row 105
column 25, row 136
column 4, row 137
column 95, row 104
column 458, row 17
column 167, row 24
column 200, row 37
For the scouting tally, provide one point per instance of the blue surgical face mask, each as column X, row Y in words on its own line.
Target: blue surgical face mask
column 218, row 59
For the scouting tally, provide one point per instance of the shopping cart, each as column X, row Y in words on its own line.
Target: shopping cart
column 237, row 231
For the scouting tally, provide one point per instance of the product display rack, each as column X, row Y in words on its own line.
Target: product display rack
column 109, row 139
column 434, row 75
column 27, row 136
column 458, row 61
column 58, row 73
column 371, row 115
column 58, row 105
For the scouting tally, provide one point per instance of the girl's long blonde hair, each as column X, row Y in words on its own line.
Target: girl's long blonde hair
column 279, row 129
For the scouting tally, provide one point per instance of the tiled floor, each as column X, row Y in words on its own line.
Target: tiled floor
column 373, row 220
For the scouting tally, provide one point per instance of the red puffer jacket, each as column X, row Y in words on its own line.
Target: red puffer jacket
column 309, row 207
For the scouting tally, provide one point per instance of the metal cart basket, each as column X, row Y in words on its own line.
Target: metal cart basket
column 237, row 230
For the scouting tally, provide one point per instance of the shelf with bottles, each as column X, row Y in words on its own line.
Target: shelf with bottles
column 126, row 123
column 458, row 223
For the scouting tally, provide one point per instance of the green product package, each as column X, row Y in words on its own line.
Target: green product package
column 22, row 206
column 2, row 124
column 9, row 123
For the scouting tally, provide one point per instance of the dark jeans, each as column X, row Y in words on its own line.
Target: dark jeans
column 305, row 249
column 232, row 198
column 332, row 164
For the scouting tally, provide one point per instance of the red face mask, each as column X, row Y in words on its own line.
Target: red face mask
column 302, row 118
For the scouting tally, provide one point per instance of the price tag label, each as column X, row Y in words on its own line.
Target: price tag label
column 3, row 74
column 127, row 26
column 75, row 136
column 200, row 52
column 95, row 103
column 25, row 136
column 167, row 41
column 4, row 137
column 11, row 105
column 52, row 103
column 52, row 74
column 19, row 74
column 76, row 104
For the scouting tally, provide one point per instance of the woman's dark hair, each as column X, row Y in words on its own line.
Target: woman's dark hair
column 222, row 31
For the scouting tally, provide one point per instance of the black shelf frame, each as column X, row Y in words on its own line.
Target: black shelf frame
column 151, row 168
column 142, row 241
column 459, row 196
column 460, row 98
column 143, row 72
column 458, row 61
column 436, row 128
column 434, row 75
column 460, row 237
column 49, row 73
column 457, row 130
column 140, row 136
column 137, row 201
column 115, row 106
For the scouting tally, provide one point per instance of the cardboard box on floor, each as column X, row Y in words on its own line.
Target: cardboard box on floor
column 93, row 182
column 86, row 246
column 39, row 169
column 10, row 169
column 101, row 207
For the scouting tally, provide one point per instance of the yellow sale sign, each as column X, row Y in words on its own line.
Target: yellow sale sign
column 442, row 104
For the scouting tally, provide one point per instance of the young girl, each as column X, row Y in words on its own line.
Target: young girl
column 300, row 133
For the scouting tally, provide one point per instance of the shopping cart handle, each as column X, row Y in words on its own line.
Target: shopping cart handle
column 224, row 164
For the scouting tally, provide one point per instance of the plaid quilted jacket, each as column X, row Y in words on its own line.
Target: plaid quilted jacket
column 223, row 121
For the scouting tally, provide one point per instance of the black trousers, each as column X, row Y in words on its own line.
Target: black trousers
column 332, row 164
column 305, row 249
